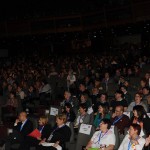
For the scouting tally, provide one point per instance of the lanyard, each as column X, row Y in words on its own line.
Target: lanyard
column 101, row 136
column 41, row 129
column 116, row 120
column 23, row 125
column 51, row 135
column 130, row 144
column 81, row 117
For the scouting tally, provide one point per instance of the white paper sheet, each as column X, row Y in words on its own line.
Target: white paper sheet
column 53, row 111
column 85, row 129
column 51, row 144
column 90, row 110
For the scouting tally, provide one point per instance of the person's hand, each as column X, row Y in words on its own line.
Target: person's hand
column 56, row 144
column 113, row 115
column 39, row 138
column 147, row 141
column 42, row 141
column 17, row 121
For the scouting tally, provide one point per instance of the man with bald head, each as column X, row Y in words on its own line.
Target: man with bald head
column 120, row 120
column 22, row 127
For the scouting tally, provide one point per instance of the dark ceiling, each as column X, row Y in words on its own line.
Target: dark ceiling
column 28, row 8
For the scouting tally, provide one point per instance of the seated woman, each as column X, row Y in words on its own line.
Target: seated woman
column 71, row 116
column 133, row 140
column 45, row 130
column 85, row 100
column 11, row 105
column 104, row 139
column 140, row 117
column 83, row 117
column 102, row 113
column 60, row 135
column 137, row 101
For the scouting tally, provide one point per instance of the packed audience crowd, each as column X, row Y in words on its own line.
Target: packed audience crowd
column 111, row 93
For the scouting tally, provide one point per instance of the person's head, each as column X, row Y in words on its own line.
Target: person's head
column 12, row 95
column 123, row 89
column 105, row 124
column 97, row 83
column 119, row 95
column 145, row 90
column 139, row 112
column 10, row 88
column 61, row 119
column 106, row 75
column 22, row 116
column 119, row 110
column 31, row 88
column 134, row 130
column 82, row 108
column 143, row 82
column 138, row 98
column 43, row 121
column 126, row 83
column 68, row 107
column 84, row 98
column 103, row 109
column 103, row 97
column 82, row 87
column 67, row 95
column 19, row 88
column 95, row 91
column 147, row 75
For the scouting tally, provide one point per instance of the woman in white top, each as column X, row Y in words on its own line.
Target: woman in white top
column 104, row 139
column 133, row 141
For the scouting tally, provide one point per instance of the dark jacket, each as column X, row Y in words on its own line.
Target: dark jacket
column 62, row 135
column 46, row 131
column 27, row 128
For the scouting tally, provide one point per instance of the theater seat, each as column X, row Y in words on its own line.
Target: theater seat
column 117, row 144
column 71, row 144
column 83, row 139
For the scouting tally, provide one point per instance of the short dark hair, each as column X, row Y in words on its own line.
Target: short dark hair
column 146, row 87
column 136, row 127
column 107, row 121
column 83, row 105
column 68, row 105
column 120, row 92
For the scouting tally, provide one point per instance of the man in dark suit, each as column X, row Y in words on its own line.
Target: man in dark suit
column 22, row 127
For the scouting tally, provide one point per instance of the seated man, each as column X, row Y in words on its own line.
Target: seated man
column 120, row 120
column 22, row 127
column 119, row 101
column 59, row 135
column 104, row 138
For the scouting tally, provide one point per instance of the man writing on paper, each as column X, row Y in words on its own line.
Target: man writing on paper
column 22, row 127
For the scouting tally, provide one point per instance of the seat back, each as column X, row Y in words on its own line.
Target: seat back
column 83, row 139
column 34, row 122
column 117, row 143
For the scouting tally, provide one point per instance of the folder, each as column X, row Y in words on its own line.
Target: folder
column 36, row 133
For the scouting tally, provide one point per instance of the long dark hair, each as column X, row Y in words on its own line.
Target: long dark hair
column 105, row 110
column 141, row 112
